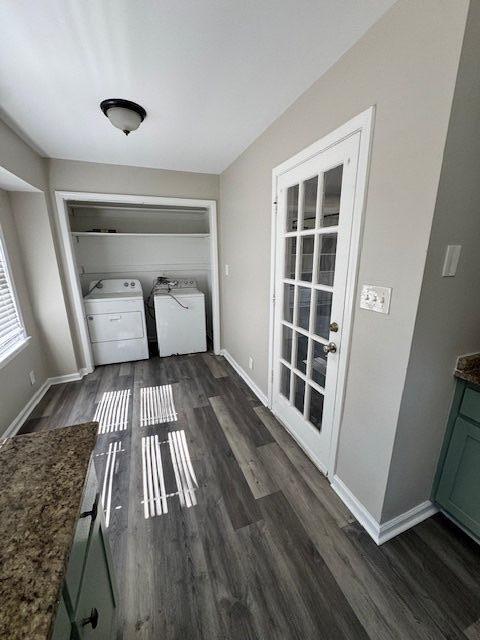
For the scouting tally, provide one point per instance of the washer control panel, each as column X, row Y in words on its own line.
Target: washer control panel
column 168, row 284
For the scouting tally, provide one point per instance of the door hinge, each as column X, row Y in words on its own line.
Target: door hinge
column 274, row 297
column 275, row 207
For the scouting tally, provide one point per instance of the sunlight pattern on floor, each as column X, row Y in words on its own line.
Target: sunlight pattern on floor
column 154, row 492
column 182, row 467
column 157, row 405
column 112, row 411
column 113, row 449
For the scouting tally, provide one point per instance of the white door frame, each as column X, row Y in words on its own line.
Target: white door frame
column 363, row 124
column 74, row 291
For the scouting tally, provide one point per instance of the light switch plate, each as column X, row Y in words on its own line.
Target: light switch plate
column 375, row 298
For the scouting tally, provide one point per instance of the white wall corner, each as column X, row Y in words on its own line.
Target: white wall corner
column 380, row 533
column 243, row 374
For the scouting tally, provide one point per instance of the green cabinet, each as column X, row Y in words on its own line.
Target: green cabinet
column 87, row 608
column 97, row 597
column 457, row 488
column 63, row 626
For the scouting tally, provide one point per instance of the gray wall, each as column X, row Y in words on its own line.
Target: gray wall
column 69, row 175
column 37, row 246
column 15, row 387
column 448, row 320
column 18, row 158
column 36, row 241
column 406, row 65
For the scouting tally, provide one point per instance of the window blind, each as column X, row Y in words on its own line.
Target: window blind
column 12, row 330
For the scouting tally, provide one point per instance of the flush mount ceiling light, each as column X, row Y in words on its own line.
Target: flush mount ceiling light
column 123, row 114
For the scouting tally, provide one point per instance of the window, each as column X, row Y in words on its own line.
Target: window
column 12, row 330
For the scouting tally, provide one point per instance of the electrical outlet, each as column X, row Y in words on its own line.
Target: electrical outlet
column 250, row 362
column 31, row 375
column 227, row 270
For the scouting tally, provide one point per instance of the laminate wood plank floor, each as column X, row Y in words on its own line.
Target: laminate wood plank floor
column 222, row 529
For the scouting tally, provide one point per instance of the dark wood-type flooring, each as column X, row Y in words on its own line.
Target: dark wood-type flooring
column 269, row 552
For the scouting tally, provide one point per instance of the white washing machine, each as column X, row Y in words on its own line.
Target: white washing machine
column 115, row 314
column 180, row 318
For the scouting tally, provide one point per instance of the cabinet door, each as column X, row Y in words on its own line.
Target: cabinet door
column 97, row 597
column 459, row 487
column 63, row 627
column 82, row 533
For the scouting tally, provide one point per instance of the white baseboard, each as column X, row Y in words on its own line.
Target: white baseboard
column 406, row 520
column 22, row 417
column 243, row 374
column 387, row 530
column 18, row 422
column 69, row 377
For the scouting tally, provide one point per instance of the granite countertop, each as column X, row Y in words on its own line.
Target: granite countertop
column 42, row 476
column 468, row 368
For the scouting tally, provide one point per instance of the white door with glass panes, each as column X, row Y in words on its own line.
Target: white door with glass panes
column 315, row 203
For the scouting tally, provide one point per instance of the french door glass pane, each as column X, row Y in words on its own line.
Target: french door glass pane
column 288, row 297
column 332, row 187
column 292, row 208
column 302, row 352
column 323, row 309
column 299, row 393
column 303, row 316
column 307, row 258
column 316, row 408
column 319, row 364
column 290, row 257
column 327, row 248
column 309, row 203
column 287, row 344
column 285, row 381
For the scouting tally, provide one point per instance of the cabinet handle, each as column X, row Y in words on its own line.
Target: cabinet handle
column 94, row 511
column 92, row 619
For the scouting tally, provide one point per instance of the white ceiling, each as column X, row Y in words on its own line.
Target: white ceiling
column 212, row 74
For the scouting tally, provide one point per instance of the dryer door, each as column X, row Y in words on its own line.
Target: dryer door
column 105, row 327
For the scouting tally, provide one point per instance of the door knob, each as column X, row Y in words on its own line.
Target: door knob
column 93, row 512
column 333, row 327
column 331, row 347
column 92, row 619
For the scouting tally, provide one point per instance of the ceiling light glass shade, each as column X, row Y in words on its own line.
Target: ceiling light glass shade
column 124, row 119
column 123, row 114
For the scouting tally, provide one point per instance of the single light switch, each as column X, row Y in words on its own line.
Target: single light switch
column 375, row 298
column 452, row 256
column 227, row 270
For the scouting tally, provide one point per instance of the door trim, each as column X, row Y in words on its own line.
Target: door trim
column 363, row 124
